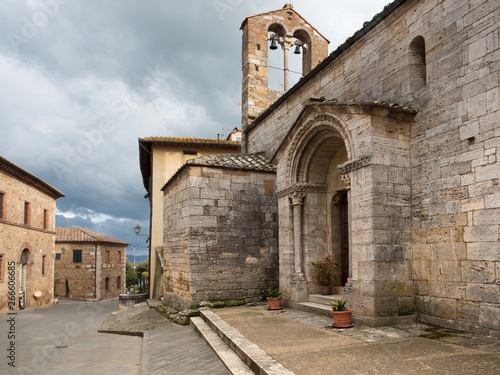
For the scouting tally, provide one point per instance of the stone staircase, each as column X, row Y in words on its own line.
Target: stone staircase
column 239, row 355
column 318, row 304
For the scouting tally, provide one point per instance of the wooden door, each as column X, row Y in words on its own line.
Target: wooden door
column 344, row 238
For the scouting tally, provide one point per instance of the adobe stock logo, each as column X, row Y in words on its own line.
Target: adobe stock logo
column 31, row 26
column 224, row 6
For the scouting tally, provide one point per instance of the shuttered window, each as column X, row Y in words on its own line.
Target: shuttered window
column 77, row 256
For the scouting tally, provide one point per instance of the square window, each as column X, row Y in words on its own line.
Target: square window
column 58, row 256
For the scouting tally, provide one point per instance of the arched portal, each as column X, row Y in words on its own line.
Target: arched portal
column 24, row 269
column 320, row 204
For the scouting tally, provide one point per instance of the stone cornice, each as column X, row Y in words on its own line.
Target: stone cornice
column 10, row 169
column 354, row 164
column 301, row 188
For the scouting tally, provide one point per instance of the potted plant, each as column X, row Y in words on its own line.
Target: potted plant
column 342, row 316
column 323, row 272
column 274, row 299
column 67, row 289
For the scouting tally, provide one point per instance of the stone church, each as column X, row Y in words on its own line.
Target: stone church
column 384, row 155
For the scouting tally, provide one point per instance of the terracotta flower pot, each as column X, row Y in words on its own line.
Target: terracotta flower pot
column 342, row 319
column 326, row 290
column 274, row 303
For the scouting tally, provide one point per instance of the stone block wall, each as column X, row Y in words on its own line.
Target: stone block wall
column 455, row 172
column 16, row 236
column 220, row 235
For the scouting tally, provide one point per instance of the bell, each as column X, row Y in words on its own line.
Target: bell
column 297, row 50
column 274, row 45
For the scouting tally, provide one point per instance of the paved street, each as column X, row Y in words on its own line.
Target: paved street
column 63, row 339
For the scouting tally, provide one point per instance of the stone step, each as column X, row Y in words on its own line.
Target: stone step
column 255, row 358
column 310, row 307
column 230, row 359
column 324, row 299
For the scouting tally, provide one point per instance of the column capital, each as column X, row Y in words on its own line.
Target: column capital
column 298, row 197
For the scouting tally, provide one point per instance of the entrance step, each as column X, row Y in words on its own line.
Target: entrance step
column 230, row 359
column 318, row 304
column 324, row 299
column 258, row 361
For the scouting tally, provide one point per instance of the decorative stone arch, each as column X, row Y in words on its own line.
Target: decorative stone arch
column 277, row 27
column 311, row 131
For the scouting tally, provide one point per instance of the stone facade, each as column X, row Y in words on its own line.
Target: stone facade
column 93, row 264
column 421, row 178
column 220, row 231
column 27, row 229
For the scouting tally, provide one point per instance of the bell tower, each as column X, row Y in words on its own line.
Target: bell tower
column 283, row 29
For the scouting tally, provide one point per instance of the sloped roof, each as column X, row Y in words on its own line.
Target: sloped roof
column 191, row 141
column 146, row 143
column 77, row 234
column 9, row 168
column 252, row 162
column 256, row 162
column 288, row 8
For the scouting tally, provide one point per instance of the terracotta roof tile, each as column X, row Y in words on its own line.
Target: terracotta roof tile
column 77, row 234
column 191, row 140
column 257, row 162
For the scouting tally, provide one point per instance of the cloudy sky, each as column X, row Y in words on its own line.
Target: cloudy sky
column 82, row 80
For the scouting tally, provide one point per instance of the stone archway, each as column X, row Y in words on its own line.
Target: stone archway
column 314, row 181
column 24, row 277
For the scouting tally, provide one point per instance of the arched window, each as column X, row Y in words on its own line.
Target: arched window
column 417, row 64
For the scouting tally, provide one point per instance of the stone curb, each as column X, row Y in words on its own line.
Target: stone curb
column 258, row 360
column 229, row 358
column 145, row 359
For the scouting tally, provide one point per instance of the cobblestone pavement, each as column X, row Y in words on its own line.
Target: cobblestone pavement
column 176, row 350
column 63, row 339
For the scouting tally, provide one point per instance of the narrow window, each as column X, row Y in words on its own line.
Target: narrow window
column 27, row 209
column 107, row 283
column 107, row 257
column 45, row 219
column 187, row 152
column 44, row 265
column 119, row 257
column 119, row 282
column 2, row 198
column 2, row 267
column 58, row 256
column 418, row 70
column 77, row 256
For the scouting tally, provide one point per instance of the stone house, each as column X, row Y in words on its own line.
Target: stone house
column 159, row 159
column 93, row 264
column 27, row 230
column 386, row 157
column 220, row 230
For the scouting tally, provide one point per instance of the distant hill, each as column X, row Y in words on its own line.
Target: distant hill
column 138, row 258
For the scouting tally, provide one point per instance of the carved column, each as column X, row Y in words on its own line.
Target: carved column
column 299, row 283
